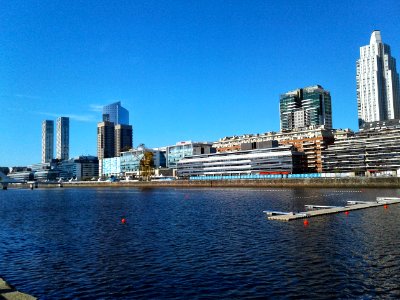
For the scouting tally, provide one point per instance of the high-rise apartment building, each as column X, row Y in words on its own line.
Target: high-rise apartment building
column 47, row 141
column 62, row 138
column 116, row 113
column 122, row 138
column 105, row 140
column 301, row 108
column 378, row 95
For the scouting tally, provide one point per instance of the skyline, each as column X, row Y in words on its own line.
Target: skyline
column 162, row 60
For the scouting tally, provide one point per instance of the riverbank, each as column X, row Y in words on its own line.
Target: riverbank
column 351, row 182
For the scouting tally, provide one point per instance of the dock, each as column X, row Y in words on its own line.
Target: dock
column 8, row 292
column 319, row 210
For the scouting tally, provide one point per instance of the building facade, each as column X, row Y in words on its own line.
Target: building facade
column 105, row 140
column 116, row 114
column 312, row 141
column 62, row 138
column 47, row 141
column 276, row 160
column 373, row 150
column 378, row 95
column 183, row 149
column 122, row 138
column 305, row 107
column 79, row 168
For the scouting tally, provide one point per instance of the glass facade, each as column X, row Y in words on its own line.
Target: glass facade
column 63, row 138
column 116, row 114
column 310, row 106
column 47, row 141
column 184, row 149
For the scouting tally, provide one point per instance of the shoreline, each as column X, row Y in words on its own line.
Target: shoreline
column 351, row 182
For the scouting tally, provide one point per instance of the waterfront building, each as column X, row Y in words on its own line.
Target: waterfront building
column 122, row 138
column 276, row 160
column 116, row 114
column 79, row 168
column 301, row 108
column 311, row 140
column 110, row 166
column 378, row 95
column 105, row 140
column 130, row 160
column 62, row 138
column 373, row 150
column 47, row 140
column 182, row 149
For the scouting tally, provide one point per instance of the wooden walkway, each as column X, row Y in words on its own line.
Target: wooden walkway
column 318, row 210
column 8, row 292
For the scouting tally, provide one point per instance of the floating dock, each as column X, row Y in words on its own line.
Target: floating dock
column 319, row 210
column 8, row 292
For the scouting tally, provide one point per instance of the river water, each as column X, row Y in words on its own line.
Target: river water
column 197, row 244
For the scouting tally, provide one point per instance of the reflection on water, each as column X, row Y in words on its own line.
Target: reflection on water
column 196, row 243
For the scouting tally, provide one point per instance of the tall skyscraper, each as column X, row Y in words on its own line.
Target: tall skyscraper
column 305, row 107
column 114, row 134
column 63, row 138
column 47, row 141
column 378, row 95
column 116, row 113
column 105, row 140
column 122, row 138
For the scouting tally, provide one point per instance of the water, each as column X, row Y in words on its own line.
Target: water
column 197, row 244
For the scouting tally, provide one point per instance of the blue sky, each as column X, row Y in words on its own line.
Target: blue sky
column 186, row 70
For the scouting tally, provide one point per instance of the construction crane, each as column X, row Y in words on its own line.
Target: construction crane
column 146, row 168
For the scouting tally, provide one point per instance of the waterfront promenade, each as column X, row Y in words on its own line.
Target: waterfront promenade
column 351, row 182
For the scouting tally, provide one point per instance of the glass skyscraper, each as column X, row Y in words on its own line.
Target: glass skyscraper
column 47, row 141
column 62, row 138
column 305, row 107
column 116, row 114
column 378, row 96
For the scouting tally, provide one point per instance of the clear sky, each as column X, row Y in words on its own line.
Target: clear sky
column 185, row 70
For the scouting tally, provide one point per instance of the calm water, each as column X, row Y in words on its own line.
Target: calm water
column 196, row 244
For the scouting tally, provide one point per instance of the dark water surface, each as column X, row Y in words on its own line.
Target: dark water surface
column 197, row 244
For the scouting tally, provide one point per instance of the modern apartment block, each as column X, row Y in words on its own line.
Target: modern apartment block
column 312, row 141
column 378, row 95
column 123, row 138
column 305, row 107
column 62, row 138
column 47, row 141
column 105, row 140
column 373, row 150
column 116, row 114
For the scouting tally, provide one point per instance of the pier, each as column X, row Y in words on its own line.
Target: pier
column 8, row 292
column 319, row 210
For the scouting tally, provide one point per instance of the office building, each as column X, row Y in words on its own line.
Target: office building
column 116, row 114
column 182, row 149
column 311, row 140
column 378, row 96
column 267, row 161
column 47, row 141
column 122, row 138
column 105, row 140
column 62, row 138
column 302, row 108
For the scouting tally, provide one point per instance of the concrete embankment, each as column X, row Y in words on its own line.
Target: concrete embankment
column 8, row 292
column 351, row 182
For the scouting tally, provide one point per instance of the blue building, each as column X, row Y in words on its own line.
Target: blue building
column 116, row 114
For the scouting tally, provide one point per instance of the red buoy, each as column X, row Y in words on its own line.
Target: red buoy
column 305, row 222
column 385, row 206
column 346, row 213
column 123, row 220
